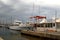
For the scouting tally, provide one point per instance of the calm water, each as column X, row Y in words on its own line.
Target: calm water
column 7, row 34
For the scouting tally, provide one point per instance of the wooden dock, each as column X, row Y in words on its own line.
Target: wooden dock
column 52, row 35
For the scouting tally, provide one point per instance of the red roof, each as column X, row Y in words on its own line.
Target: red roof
column 38, row 17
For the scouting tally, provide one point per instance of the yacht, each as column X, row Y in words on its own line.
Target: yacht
column 42, row 24
column 17, row 25
column 52, row 26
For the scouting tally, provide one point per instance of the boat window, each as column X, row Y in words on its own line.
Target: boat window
column 18, row 22
column 46, row 25
column 27, row 22
column 41, row 25
column 49, row 25
column 53, row 24
column 58, row 25
column 14, row 25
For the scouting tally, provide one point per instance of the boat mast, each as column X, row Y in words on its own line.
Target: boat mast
column 11, row 20
column 6, row 21
column 32, row 9
column 55, row 19
column 39, row 12
column 39, row 9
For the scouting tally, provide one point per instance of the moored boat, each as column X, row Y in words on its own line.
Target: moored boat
column 45, row 25
column 17, row 25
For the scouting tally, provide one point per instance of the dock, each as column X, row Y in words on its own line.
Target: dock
column 52, row 35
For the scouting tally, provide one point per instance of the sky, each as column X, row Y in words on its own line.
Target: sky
column 23, row 9
column 37, row 2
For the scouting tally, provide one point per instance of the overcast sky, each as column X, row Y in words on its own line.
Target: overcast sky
column 22, row 9
column 37, row 2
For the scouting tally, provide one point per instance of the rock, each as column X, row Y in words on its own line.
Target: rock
column 1, row 38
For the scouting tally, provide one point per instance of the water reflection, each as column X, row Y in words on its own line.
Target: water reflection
column 7, row 34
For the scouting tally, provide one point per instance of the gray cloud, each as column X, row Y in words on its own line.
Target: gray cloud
column 22, row 11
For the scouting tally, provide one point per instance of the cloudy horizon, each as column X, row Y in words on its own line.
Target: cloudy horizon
column 23, row 9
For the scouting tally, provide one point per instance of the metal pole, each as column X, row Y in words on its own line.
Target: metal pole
column 6, row 20
column 39, row 13
column 55, row 19
column 32, row 14
column 11, row 20
column 39, row 9
column 33, row 9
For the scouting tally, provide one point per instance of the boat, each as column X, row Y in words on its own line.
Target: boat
column 18, row 25
column 45, row 25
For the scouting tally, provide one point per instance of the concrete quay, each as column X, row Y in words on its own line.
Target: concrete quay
column 52, row 35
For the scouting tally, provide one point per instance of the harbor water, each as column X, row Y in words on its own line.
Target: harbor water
column 7, row 34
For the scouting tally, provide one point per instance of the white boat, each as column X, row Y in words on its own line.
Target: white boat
column 46, row 25
column 49, row 26
column 17, row 25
